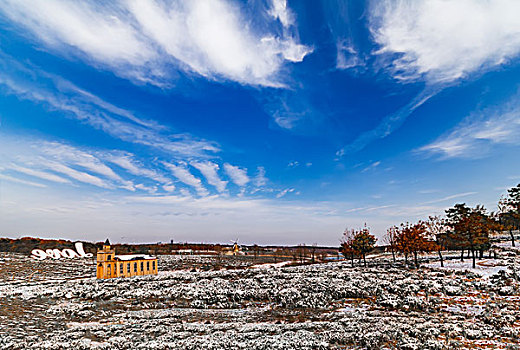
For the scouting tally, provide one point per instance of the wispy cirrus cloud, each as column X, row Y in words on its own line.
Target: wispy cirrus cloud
column 20, row 181
column 45, row 175
column 442, row 41
column 284, row 192
column 147, row 41
column 181, row 172
column 71, row 155
column 238, row 175
column 260, row 179
column 210, row 172
column 475, row 136
column 55, row 93
column 388, row 124
column 127, row 161
column 57, row 163
column 77, row 175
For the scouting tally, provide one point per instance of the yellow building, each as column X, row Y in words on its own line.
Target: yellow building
column 110, row 265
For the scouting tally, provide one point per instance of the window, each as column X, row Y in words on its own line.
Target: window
column 148, row 266
column 109, row 269
column 142, row 266
column 153, row 265
column 109, row 257
column 135, row 267
column 121, row 268
column 128, row 268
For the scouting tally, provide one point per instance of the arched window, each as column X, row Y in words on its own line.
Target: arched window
column 153, row 265
column 109, row 257
column 147, row 266
column 128, row 268
column 121, row 268
column 142, row 266
column 135, row 267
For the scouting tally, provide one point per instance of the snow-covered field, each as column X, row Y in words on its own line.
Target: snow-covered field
column 189, row 305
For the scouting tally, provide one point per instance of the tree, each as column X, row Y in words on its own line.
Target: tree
column 391, row 239
column 436, row 229
column 509, row 211
column 364, row 242
column 347, row 242
column 413, row 239
column 256, row 249
column 470, row 228
column 313, row 252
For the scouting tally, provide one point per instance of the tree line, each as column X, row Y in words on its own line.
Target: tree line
column 461, row 228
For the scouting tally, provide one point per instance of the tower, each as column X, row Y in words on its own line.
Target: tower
column 106, row 266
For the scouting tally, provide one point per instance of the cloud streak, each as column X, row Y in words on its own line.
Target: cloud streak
column 238, row 175
column 442, row 41
column 37, row 86
column 210, row 172
column 147, row 41
column 182, row 173
column 479, row 132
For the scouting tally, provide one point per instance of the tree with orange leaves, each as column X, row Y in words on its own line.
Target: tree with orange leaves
column 413, row 239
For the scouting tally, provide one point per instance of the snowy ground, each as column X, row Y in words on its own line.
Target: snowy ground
column 193, row 305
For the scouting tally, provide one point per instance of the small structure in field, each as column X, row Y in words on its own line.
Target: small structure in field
column 110, row 265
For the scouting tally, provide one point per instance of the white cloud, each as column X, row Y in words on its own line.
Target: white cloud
column 237, row 174
column 284, row 192
column 144, row 40
column 346, row 56
column 444, row 40
column 50, row 160
column 473, row 137
column 210, row 172
column 38, row 173
column 280, row 11
column 78, row 175
column 389, row 124
column 453, row 196
column 372, row 166
column 103, row 34
column 260, row 179
column 71, row 155
column 20, row 181
column 169, row 187
column 127, row 162
column 184, row 175
column 57, row 94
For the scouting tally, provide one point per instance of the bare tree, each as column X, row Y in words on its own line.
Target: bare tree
column 436, row 229
column 347, row 244
column 391, row 239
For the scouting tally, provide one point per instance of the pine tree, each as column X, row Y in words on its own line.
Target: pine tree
column 364, row 242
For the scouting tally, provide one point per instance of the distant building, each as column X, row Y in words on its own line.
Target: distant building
column 233, row 251
column 110, row 265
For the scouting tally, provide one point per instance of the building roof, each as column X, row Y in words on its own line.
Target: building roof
column 134, row 257
column 107, row 242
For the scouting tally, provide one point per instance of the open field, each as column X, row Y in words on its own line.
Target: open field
column 192, row 305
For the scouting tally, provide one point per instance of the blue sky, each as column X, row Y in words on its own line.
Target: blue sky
column 273, row 121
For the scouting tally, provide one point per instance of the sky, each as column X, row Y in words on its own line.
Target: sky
column 271, row 121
